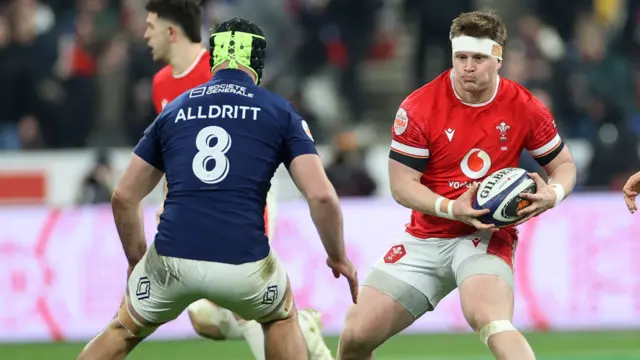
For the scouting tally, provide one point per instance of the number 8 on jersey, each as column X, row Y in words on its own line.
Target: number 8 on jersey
column 206, row 153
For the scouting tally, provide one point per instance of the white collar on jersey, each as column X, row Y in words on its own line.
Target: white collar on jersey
column 191, row 67
column 452, row 76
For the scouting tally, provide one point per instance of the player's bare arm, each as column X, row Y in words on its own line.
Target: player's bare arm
column 165, row 190
column 630, row 191
column 562, row 178
column 408, row 191
column 310, row 178
column 138, row 180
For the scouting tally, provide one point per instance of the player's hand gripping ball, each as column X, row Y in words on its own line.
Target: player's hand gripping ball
column 500, row 193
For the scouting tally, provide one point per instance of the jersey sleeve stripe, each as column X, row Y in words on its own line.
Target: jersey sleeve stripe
column 546, row 148
column 409, row 150
column 547, row 158
column 416, row 163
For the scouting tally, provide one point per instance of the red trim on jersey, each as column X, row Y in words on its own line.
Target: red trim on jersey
column 547, row 148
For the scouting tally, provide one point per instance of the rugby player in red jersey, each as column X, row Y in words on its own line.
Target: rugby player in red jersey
column 174, row 35
column 447, row 136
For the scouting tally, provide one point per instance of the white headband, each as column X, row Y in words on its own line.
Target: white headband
column 477, row 45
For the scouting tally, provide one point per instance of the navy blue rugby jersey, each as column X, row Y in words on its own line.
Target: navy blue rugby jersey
column 219, row 145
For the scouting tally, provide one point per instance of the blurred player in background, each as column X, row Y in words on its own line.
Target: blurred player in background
column 219, row 145
column 447, row 136
column 173, row 34
column 630, row 191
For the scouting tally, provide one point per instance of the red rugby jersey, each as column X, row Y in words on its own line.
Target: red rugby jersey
column 453, row 143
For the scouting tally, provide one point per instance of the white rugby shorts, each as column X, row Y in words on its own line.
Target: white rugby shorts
column 161, row 287
column 419, row 273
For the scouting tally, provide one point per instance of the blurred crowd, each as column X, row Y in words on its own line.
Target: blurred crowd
column 77, row 73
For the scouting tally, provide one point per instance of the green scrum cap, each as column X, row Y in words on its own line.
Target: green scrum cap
column 238, row 47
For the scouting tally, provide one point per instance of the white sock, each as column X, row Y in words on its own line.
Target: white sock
column 251, row 331
column 229, row 325
column 311, row 326
column 303, row 321
column 253, row 334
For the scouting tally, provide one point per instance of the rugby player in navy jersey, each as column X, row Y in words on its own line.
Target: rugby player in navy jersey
column 219, row 145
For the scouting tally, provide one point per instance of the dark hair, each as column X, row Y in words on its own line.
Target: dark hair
column 480, row 24
column 258, row 46
column 239, row 24
column 185, row 13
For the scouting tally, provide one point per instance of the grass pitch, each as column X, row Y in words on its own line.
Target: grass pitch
column 548, row 346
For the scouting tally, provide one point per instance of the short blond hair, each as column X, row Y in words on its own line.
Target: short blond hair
column 480, row 24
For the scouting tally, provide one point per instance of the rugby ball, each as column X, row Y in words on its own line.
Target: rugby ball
column 500, row 193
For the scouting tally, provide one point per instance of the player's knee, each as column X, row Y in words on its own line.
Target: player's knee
column 354, row 344
column 495, row 327
column 205, row 323
column 477, row 318
column 481, row 313
column 357, row 338
column 205, row 329
column 208, row 331
column 486, row 297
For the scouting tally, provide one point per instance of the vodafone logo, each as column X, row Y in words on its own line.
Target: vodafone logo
column 476, row 164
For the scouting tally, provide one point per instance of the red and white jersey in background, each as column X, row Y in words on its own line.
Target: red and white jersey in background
column 168, row 86
column 453, row 143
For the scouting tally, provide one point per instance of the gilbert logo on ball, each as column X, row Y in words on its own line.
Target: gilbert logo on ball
column 500, row 193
